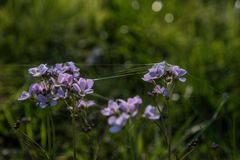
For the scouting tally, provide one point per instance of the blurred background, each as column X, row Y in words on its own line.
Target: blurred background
column 115, row 37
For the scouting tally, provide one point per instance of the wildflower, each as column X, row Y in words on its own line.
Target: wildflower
column 155, row 72
column 25, row 95
column 160, row 90
column 83, row 86
column 58, row 82
column 38, row 71
column 151, row 113
column 44, row 101
column 58, row 93
column 131, row 105
column 178, row 73
column 85, row 104
column 111, row 109
column 37, row 88
column 65, row 79
column 162, row 75
column 117, row 122
column 120, row 111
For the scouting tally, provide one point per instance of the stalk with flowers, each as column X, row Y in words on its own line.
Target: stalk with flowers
column 63, row 82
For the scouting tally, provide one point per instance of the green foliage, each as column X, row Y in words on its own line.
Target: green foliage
column 108, row 38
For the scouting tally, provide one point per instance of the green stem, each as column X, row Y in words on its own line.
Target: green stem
column 132, row 148
column 185, row 155
column 49, row 137
column 169, row 130
column 53, row 133
column 74, row 133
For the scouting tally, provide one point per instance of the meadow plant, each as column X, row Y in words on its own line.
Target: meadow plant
column 63, row 82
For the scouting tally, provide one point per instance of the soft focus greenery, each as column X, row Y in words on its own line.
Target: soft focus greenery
column 105, row 37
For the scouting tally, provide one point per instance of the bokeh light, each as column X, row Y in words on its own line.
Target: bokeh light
column 157, row 6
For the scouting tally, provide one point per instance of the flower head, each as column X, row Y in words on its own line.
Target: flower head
column 45, row 100
column 151, row 113
column 37, row 88
column 160, row 90
column 25, row 95
column 178, row 73
column 83, row 86
column 85, row 104
column 155, row 72
column 38, row 71
column 57, row 82
column 131, row 105
column 117, row 122
column 120, row 111
column 65, row 79
column 111, row 109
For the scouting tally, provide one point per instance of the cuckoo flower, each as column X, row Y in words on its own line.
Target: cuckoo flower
column 72, row 69
column 155, row 72
column 38, row 71
column 37, row 88
column 162, row 75
column 44, row 101
column 111, row 109
column 58, row 82
column 178, row 73
column 83, row 86
column 120, row 111
column 65, row 79
column 160, row 90
column 68, row 67
column 117, row 122
column 85, row 104
column 151, row 113
column 131, row 105
column 25, row 95
column 59, row 93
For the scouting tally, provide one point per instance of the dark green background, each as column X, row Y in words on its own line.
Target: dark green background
column 104, row 37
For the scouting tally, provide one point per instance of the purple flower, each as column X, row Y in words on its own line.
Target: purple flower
column 160, row 90
column 44, row 101
column 83, row 86
column 111, row 109
column 85, row 104
column 151, row 113
column 178, row 73
column 38, row 71
column 156, row 71
column 73, row 69
column 58, row 92
column 25, row 95
column 61, row 68
column 117, row 123
column 37, row 88
column 130, row 106
column 65, row 79
column 58, row 84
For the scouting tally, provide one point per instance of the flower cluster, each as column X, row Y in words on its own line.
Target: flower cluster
column 165, row 74
column 120, row 111
column 61, row 81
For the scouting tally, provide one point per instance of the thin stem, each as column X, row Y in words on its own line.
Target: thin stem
column 132, row 149
column 161, row 128
column 74, row 133
column 185, row 155
column 53, row 133
column 169, row 132
column 49, row 137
